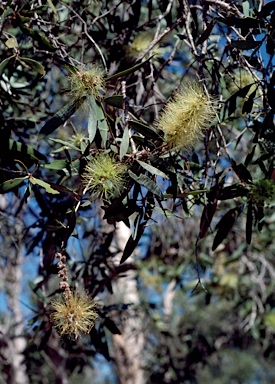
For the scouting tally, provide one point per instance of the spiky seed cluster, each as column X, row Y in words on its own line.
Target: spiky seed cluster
column 186, row 116
column 105, row 176
column 87, row 83
column 74, row 315
column 262, row 191
column 140, row 44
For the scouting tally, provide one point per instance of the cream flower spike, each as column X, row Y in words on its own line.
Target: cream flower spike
column 186, row 116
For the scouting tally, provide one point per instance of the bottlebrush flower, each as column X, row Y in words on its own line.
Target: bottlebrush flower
column 74, row 314
column 186, row 116
column 87, row 83
column 262, row 191
column 140, row 43
column 105, row 176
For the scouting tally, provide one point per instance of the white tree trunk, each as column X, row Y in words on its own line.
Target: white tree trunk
column 129, row 345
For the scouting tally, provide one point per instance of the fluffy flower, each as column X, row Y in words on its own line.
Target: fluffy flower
column 239, row 79
column 262, row 191
column 186, row 116
column 87, row 83
column 140, row 44
column 105, row 176
column 74, row 315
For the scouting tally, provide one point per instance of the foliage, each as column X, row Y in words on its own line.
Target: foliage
column 88, row 131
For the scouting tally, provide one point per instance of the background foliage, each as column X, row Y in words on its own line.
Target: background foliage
column 201, row 221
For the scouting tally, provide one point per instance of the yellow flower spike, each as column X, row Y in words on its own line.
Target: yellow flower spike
column 88, row 83
column 74, row 315
column 186, row 116
column 140, row 43
column 105, row 176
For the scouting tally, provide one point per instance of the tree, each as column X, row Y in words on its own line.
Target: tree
column 156, row 117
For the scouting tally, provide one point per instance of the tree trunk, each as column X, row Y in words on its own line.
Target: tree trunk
column 129, row 345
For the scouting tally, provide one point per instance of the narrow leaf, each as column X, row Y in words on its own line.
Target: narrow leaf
column 37, row 36
column 32, row 65
column 241, row 171
column 43, row 184
column 233, row 191
column 57, row 165
column 4, row 63
column 234, row 102
column 12, row 42
column 153, row 170
column 66, row 144
column 206, row 218
column 17, row 146
column 10, row 184
column 225, row 224
column 249, row 157
column 245, row 44
column 92, row 119
column 147, row 182
column 102, row 125
column 110, row 324
column 206, row 33
column 124, row 143
column 144, row 130
column 165, row 212
column 132, row 243
column 249, row 223
column 248, row 104
column 127, row 71
column 115, row 101
column 60, row 117
column 53, row 9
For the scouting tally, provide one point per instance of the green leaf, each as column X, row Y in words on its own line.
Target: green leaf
column 43, row 184
column 115, row 101
column 234, row 102
column 53, row 9
column 249, row 223
column 225, row 224
column 110, row 324
column 37, row 36
column 124, row 143
column 12, row 42
column 232, row 191
column 92, row 119
column 165, row 212
column 245, row 22
column 153, row 170
column 241, row 171
column 8, row 11
column 248, row 104
column 4, row 63
column 206, row 218
column 16, row 146
column 245, row 44
column 10, row 184
column 132, row 243
column 102, row 124
column 206, row 33
column 57, row 165
column 127, row 71
column 146, row 182
column 66, row 144
column 144, row 130
column 32, row 65
column 249, row 157
column 185, row 194
column 60, row 117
